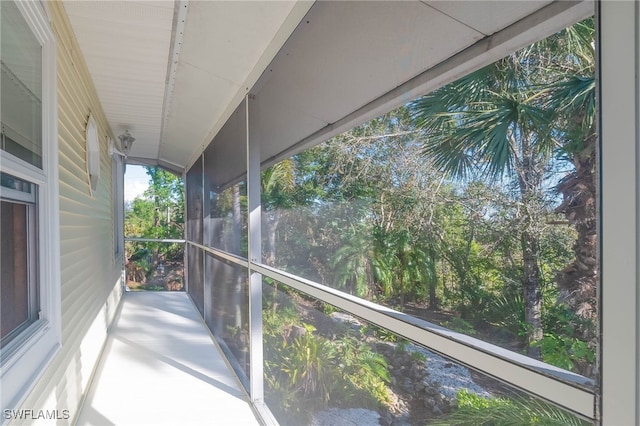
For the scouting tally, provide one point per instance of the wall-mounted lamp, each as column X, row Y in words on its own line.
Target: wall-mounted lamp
column 126, row 141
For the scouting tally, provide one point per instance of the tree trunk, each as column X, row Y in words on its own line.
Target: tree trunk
column 433, row 280
column 272, row 226
column 578, row 282
column 237, row 221
column 237, row 286
column 531, row 194
column 532, row 293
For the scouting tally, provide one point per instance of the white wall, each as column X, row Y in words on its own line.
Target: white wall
column 90, row 275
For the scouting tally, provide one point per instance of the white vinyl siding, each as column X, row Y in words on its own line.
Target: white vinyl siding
column 30, row 352
column 90, row 279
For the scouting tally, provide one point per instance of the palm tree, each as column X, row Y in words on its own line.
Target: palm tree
column 278, row 182
column 360, row 264
column 277, row 186
column 573, row 98
column 506, row 122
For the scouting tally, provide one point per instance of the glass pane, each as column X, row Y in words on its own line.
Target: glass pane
column 194, row 202
column 19, row 299
column 226, row 219
column 195, row 277
column 227, row 311
column 325, row 367
column 225, row 189
column 12, row 182
column 20, row 86
column 413, row 211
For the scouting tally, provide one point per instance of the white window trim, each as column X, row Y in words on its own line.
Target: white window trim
column 117, row 192
column 27, row 359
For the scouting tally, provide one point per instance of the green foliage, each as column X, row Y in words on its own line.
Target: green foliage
column 309, row 365
column 328, row 309
column 565, row 352
column 368, row 213
column 562, row 345
column 380, row 333
column 151, row 288
column 509, row 312
column 418, row 356
column 510, row 122
column 460, row 325
column 305, row 371
column 158, row 213
column 474, row 410
column 364, row 369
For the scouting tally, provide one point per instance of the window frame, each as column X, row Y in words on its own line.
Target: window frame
column 30, row 202
column 27, row 356
column 117, row 193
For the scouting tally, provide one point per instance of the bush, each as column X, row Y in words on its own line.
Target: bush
column 306, row 372
column 474, row 410
column 565, row 352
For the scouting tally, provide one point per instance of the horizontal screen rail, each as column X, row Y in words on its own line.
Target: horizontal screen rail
column 560, row 387
column 222, row 254
column 154, row 240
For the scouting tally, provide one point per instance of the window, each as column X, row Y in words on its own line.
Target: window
column 469, row 213
column 30, row 332
column 21, row 88
column 17, row 263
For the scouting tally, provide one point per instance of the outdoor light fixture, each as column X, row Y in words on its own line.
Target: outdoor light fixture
column 126, row 141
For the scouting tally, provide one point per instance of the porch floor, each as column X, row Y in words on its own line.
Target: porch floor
column 161, row 367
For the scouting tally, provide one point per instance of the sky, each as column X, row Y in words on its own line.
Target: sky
column 136, row 181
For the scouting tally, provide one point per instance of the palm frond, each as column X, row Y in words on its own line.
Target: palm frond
column 474, row 410
column 574, row 96
column 280, row 175
column 476, row 123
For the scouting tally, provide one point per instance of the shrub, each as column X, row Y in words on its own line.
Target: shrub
column 474, row 410
column 305, row 371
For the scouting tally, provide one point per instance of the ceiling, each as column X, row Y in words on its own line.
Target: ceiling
column 219, row 46
column 172, row 73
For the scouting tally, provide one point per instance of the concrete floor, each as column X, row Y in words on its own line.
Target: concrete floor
column 161, row 367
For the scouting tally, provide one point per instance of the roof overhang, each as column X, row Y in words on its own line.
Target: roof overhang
column 173, row 73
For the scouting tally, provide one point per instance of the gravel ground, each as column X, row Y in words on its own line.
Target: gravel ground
column 346, row 417
column 447, row 375
column 450, row 377
column 444, row 375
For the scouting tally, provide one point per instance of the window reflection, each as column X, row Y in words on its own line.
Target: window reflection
column 464, row 213
column 325, row 366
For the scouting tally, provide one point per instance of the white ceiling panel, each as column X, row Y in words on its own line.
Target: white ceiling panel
column 315, row 74
column 226, row 38
column 487, row 17
column 313, row 64
column 126, row 46
column 194, row 108
column 352, row 56
column 392, row 41
column 223, row 41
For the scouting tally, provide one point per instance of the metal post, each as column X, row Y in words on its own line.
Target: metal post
column 255, row 256
column 619, row 28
